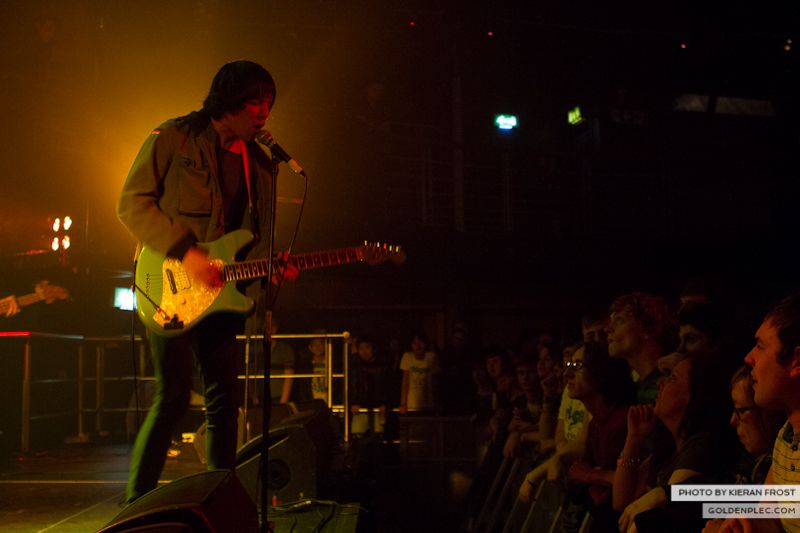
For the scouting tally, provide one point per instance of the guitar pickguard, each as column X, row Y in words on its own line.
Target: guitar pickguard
column 182, row 300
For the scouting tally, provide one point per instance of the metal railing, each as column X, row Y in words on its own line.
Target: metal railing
column 328, row 375
column 27, row 381
column 98, row 411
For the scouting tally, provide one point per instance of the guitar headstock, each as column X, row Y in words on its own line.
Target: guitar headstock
column 50, row 293
column 375, row 253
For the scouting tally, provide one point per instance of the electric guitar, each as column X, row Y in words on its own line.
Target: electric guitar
column 44, row 293
column 169, row 302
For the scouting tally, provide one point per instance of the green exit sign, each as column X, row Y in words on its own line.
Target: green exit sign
column 506, row 122
column 574, row 116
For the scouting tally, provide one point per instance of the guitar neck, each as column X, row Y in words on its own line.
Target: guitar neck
column 22, row 301
column 258, row 268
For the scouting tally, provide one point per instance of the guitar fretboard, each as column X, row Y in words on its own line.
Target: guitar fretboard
column 22, row 301
column 257, row 268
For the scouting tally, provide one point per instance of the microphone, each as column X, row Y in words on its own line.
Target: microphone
column 264, row 137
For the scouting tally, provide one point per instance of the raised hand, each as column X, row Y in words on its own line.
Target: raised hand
column 641, row 421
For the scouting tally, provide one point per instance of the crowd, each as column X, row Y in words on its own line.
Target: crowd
column 654, row 394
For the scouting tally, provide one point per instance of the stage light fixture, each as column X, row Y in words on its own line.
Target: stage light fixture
column 54, row 245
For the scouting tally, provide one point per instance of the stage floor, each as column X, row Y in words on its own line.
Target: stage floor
column 75, row 489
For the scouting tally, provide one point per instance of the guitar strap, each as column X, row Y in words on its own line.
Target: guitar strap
column 240, row 147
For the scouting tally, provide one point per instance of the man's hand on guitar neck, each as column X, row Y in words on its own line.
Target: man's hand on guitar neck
column 11, row 302
column 284, row 269
column 197, row 262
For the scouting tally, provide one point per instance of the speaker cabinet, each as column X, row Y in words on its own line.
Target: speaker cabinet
column 209, row 502
column 299, row 457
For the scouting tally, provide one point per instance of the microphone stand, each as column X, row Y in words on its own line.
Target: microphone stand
column 266, row 401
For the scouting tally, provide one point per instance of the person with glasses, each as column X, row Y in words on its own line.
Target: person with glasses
column 605, row 387
column 569, row 437
column 755, row 426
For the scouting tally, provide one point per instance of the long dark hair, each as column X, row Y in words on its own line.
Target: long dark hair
column 234, row 84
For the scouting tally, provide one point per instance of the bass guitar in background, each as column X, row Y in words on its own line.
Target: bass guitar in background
column 43, row 292
column 170, row 302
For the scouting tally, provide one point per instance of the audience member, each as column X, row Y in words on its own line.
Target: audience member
column 419, row 367
column 642, row 329
column 310, row 360
column 569, row 440
column 282, row 362
column 605, row 387
column 369, row 375
column 593, row 327
column 694, row 405
column 775, row 364
column 319, row 366
column 526, row 409
column 756, row 427
column 506, row 388
column 708, row 330
column 703, row 289
column 540, row 382
column 455, row 380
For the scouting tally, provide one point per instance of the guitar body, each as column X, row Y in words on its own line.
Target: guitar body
column 170, row 302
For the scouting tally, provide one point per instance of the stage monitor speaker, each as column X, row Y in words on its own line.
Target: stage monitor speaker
column 299, row 458
column 209, row 502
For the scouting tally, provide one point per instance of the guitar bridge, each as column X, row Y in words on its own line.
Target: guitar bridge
column 174, row 324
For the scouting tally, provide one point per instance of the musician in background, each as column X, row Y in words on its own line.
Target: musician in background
column 43, row 292
column 196, row 178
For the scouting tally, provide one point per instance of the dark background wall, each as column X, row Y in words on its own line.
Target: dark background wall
column 514, row 229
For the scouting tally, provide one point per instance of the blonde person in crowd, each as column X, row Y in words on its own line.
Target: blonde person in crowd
column 419, row 366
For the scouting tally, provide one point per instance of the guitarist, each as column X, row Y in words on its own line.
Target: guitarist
column 196, row 178
column 44, row 292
